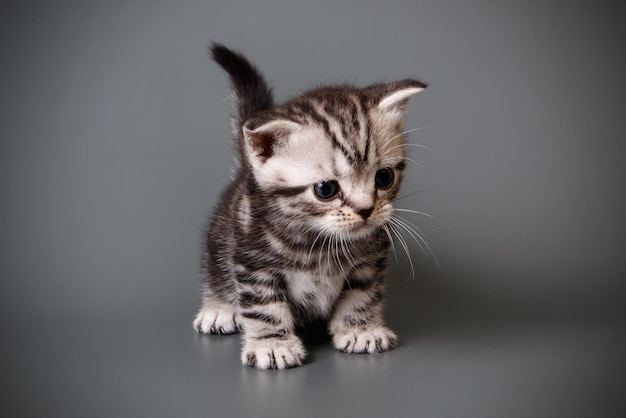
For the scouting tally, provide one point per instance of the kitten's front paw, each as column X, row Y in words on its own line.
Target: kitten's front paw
column 273, row 353
column 216, row 319
column 365, row 340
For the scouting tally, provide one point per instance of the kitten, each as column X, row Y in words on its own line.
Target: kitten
column 303, row 230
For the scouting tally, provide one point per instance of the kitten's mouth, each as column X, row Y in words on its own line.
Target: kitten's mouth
column 361, row 226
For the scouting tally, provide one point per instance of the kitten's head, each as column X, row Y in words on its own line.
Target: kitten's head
column 334, row 157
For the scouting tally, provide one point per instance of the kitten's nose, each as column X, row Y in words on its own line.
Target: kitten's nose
column 365, row 213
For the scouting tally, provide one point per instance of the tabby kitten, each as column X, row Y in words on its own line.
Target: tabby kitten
column 303, row 230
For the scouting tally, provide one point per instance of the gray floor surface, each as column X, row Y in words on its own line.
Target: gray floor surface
column 114, row 148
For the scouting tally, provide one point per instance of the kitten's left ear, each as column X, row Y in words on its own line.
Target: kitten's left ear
column 263, row 136
column 394, row 97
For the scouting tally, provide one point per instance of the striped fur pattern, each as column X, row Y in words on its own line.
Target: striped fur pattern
column 302, row 232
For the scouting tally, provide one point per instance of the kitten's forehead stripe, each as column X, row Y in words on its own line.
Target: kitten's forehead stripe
column 307, row 110
column 353, row 116
column 356, row 118
column 355, row 113
column 343, row 116
column 331, row 114
column 344, row 130
column 343, row 149
column 351, row 112
column 368, row 136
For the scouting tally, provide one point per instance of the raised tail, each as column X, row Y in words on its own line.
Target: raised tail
column 252, row 93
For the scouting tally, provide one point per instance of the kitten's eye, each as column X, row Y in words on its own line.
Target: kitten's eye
column 384, row 178
column 326, row 190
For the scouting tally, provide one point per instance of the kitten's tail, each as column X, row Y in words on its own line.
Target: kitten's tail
column 252, row 93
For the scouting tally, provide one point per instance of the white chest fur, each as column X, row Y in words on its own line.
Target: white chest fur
column 316, row 293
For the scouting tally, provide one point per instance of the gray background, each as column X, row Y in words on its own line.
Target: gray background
column 115, row 145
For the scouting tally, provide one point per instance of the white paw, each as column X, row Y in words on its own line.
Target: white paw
column 216, row 319
column 365, row 340
column 273, row 353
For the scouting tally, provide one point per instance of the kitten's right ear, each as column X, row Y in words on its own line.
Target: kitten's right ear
column 394, row 97
column 263, row 137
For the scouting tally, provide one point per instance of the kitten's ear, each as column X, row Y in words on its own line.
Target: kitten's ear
column 263, row 137
column 394, row 97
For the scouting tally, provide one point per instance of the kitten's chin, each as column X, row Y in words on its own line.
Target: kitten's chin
column 360, row 230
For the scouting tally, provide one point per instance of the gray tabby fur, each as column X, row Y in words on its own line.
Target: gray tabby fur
column 276, row 254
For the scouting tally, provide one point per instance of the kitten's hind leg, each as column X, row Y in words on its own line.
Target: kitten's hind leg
column 216, row 318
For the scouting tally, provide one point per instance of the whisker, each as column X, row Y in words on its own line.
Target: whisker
column 338, row 246
column 384, row 145
column 402, row 227
column 336, row 253
column 319, row 263
column 313, row 245
column 393, row 247
column 347, row 254
column 410, row 160
column 417, row 212
column 340, row 240
column 404, row 245
column 347, row 246
column 308, row 229
column 430, row 189
column 419, row 234
column 409, row 145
